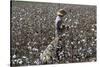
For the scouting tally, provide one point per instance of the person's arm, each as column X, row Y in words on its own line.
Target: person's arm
column 59, row 25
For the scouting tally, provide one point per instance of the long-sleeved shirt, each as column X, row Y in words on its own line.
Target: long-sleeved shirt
column 58, row 23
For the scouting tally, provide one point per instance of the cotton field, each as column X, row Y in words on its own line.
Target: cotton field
column 32, row 30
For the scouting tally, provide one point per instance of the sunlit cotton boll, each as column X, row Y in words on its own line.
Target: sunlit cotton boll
column 63, row 35
column 21, row 19
column 35, row 49
column 19, row 61
column 14, row 56
column 69, row 20
column 79, row 42
column 81, row 31
column 24, row 57
column 15, row 61
column 83, row 40
column 72, row 42
column 66, row 19
column 72, row 26
column 76, row 22
column 93, row 29
column 17, row 43
column 29, row 47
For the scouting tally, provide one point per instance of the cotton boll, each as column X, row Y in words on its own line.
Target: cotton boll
column 66, row 19
column 83, row 40
column 35, row 49
column 14, row 56
column 21, row 19
column 29, row 47
column 17, row 43
column 93, row 29
column 76, row 22
column 69, row 20
column 24, row 57
column 63, row 35
column 19, row 61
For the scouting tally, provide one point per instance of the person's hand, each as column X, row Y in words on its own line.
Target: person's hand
column 67, row 27
column 63, row 26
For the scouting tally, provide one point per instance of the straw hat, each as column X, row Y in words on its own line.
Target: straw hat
column 61, row 12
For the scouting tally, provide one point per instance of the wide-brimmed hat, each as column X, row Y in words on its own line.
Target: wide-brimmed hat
column 61, row 12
